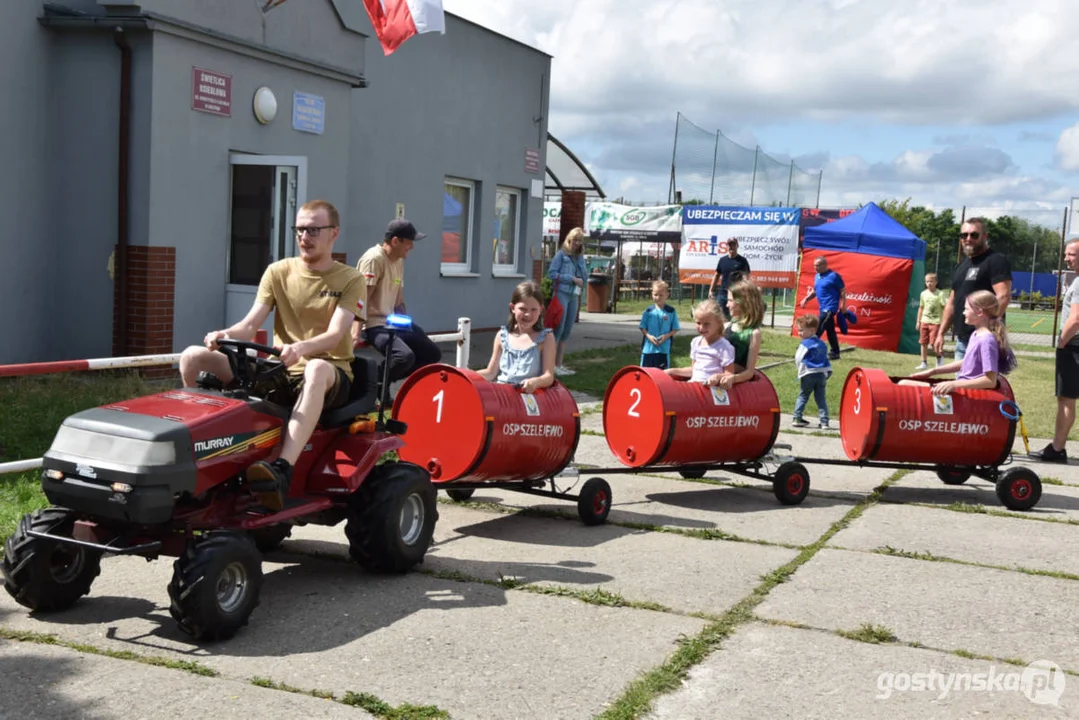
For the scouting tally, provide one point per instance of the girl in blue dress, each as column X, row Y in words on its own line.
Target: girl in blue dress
column 524, row 350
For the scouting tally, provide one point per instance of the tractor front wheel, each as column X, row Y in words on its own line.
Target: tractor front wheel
column 44, row 574
column 215, row 585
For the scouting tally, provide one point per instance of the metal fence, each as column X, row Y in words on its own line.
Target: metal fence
column 709, row 167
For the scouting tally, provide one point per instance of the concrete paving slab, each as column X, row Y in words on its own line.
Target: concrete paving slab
column 941, row 605
column 471, row 649
column 44, row 682
column 1059, row 502
column 675, row 571
column 647, row 500
column 753, row 676
column 985, row 539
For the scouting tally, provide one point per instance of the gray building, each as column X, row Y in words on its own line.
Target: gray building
column 157, row 151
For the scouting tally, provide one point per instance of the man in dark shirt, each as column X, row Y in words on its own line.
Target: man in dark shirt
column 982, row 269
column 732, row 267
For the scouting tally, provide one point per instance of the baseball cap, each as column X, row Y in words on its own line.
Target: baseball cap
column 403, row 229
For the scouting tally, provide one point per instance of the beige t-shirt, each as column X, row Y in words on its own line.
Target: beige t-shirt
column 305, row 301
column 385, row 278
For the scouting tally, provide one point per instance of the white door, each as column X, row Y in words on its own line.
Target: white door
column 265, row 191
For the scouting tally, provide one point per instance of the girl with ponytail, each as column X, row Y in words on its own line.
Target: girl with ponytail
column 988, row 353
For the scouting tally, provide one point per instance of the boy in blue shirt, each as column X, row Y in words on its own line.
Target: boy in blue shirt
column 659, row 324
column 814, row 369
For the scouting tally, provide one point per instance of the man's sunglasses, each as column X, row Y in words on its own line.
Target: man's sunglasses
column 311, row 230
column 972, row 235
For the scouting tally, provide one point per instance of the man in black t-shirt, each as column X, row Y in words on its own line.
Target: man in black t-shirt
column 982, row 269
column 732, row 267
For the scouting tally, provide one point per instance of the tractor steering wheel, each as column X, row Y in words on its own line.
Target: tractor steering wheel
column 248, row 369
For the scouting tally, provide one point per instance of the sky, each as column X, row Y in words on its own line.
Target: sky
column 949, row 103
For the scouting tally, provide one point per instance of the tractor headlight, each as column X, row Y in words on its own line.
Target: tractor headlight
column 97, row 447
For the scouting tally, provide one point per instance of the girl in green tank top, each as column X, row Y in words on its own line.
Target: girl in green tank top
column 746, row 306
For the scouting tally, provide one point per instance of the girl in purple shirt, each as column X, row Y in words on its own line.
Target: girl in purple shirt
column 988, row 353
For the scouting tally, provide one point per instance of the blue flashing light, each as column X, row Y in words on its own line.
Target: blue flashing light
column 397, row 321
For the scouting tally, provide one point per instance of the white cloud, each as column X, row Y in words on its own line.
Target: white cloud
column 1067, row 149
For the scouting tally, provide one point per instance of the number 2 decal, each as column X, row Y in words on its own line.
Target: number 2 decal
column 438, row 399
column 633, row 408
column 857, row 400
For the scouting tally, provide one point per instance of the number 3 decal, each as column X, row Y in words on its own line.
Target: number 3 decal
column 633, row 408
column 857, row 400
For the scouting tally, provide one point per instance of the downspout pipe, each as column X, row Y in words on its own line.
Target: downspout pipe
column 123, row 188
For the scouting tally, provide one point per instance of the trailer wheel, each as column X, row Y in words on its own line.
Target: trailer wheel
column 791, row 483
column 594, row 502
column 460, row 494
column 692, row 473
column 1019, row 488
column 46, row 575
column 952, row 476
column 215, row 585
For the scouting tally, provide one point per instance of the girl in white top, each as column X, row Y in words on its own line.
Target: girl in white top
column 711, row 353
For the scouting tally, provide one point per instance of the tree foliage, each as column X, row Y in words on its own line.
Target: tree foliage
column 1016, row 237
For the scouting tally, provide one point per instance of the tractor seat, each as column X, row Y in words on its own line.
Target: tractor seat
column 362, row 397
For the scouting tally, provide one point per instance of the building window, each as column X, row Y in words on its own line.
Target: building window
column 457, row 225
column 507, row 229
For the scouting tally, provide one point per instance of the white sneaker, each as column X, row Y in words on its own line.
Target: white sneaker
column 922, row 366
column 562, row 370
column 940, row 361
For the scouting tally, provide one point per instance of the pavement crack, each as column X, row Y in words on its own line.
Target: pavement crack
column 365, row 701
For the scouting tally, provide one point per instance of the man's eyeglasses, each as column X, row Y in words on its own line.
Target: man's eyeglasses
column 312, row 230
column 972, row 235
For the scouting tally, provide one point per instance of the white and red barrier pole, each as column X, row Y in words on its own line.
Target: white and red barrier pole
column 462, row 337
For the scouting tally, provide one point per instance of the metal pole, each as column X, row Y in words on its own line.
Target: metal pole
column 790, row 181
column 753, row 183
column 670, row 192
column 937, row 268
column 773, row 308
column 1033, row 263
column 959, row 247
column 1060, row 274
column 820, row 181
column 715, row 156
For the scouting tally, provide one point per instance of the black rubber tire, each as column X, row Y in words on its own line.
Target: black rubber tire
column 692, row 473
column 791, row 483
column 267, row 539
column 952, row 476
column 594, row 502
column 1019, row 488
column 46, row 575
column 202, row 603
column 460, row 494
column 391, row 518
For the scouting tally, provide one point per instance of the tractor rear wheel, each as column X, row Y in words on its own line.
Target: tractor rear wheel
column 391, row 518
column 43, row 574
column 215, row 585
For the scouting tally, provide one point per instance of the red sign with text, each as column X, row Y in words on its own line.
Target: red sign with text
column 211, row 92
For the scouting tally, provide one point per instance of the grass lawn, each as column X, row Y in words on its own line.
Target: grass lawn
column 33, row 409
column 685, row 307
column 1032, row 381
column 1031, row 321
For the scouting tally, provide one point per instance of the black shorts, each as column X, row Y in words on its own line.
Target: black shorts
column 655, row 360
column 285, row 390
column 1067, row 368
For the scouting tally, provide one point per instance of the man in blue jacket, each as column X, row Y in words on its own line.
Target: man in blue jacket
column 831, row 294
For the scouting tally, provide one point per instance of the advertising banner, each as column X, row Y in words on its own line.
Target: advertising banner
column 877, row 289
column 552, row 217
column 812, row 217
column 655, row 223
column 767, row 238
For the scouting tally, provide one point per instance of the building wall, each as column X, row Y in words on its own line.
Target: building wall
column 26, row 63
column 189, row 182
column 459, row 104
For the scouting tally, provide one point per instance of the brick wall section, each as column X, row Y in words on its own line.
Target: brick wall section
column 573, row 202
column 537, row 271
column 151, row 283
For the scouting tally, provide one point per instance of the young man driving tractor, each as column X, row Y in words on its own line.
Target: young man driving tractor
column 316, row 299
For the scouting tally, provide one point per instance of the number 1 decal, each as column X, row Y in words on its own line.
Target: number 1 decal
column 438, row 399
column 633, row 408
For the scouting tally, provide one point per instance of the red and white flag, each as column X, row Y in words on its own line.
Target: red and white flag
column 397, row 20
